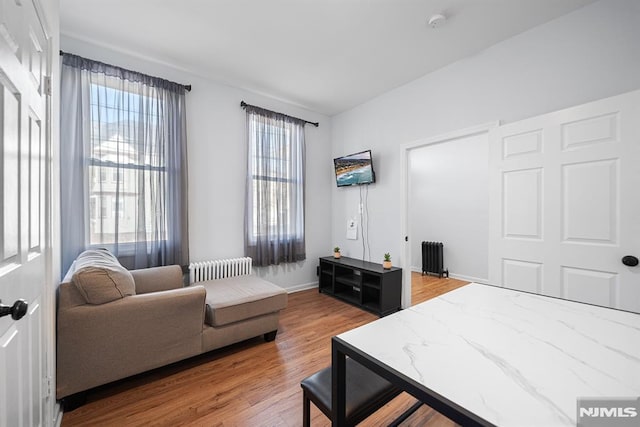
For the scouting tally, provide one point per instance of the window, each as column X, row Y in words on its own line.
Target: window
column 123, row 135
column 270, row 171
column 275, row 189
column 125, row 165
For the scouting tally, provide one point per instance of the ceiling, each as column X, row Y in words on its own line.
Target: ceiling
column 323, row 55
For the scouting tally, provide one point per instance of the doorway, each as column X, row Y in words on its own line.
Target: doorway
column 449, row 203
column 445, row 192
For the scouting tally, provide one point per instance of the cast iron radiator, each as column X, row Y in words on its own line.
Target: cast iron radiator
column 432, row 259
column 219, row 269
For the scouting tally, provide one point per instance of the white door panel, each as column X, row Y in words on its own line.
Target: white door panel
column 564, row 206
column 590, row 286
column 522, row 204
column 591, row 187
column 23, row 243
column 10, row 387
column 522, row 144
column 523, row 275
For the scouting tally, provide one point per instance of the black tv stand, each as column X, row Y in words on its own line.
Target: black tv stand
column 361, row 283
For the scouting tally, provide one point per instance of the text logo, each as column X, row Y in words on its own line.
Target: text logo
column 608, row 412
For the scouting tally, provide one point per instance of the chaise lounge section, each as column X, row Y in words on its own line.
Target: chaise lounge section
column 113, row 323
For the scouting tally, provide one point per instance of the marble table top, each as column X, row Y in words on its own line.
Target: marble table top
column 511, row 358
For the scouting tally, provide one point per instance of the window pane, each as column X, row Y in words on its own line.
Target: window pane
column 133, row 203
column 125, row 127
column 126, row 174
column 275, row 184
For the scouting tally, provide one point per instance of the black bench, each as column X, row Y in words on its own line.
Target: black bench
column 366, row 393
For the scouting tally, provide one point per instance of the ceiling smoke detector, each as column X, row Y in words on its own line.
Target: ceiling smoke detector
column 437, row 20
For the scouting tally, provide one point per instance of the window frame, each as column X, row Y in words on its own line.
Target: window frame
column 293, row 183
column 118, row 173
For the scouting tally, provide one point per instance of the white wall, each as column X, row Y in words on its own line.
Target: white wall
column 589, row 54
column 217, row 165
column 449, row 203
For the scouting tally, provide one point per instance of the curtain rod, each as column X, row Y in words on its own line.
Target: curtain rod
column 186, row 87
column 244, row 105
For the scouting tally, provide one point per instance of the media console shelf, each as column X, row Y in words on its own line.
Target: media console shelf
column 361, row 283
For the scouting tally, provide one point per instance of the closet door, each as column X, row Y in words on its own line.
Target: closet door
column 564, row 203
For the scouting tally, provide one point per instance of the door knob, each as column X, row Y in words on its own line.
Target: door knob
column 630, row 260
column 17, row 311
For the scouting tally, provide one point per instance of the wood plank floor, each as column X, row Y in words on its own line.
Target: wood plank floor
column 253, row 383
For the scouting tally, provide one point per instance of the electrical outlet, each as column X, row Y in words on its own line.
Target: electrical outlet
column 352, row 229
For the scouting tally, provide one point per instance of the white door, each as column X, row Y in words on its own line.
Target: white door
column 23, row 248
column 565, row 203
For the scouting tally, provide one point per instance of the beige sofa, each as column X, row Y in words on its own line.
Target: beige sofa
column 112, row 323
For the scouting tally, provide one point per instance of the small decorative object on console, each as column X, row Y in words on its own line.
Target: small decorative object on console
column 336, row 252
column 387, row 261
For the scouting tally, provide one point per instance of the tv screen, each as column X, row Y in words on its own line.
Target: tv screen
column 354, row 169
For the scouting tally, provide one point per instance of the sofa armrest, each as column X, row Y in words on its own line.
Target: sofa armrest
column 157, row 279
column 98, row 344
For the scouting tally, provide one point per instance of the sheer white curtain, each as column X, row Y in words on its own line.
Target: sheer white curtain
column 274, row 215
column 124, row 164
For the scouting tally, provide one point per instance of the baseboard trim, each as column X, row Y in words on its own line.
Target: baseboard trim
column 58, row 413
column 458, row 276
column 469, row 278
column 302, row 287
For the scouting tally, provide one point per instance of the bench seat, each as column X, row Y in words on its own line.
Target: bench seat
column 239, row 298
column 366, row 393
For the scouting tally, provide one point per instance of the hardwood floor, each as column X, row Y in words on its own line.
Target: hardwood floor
column 253, row 383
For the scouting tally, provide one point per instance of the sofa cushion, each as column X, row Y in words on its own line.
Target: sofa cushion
column 242, row 297
column 100, row 278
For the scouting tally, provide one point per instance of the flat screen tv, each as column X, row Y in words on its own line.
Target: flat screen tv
column 354, row 169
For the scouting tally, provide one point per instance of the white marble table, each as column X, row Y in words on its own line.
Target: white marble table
column 484, row 355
